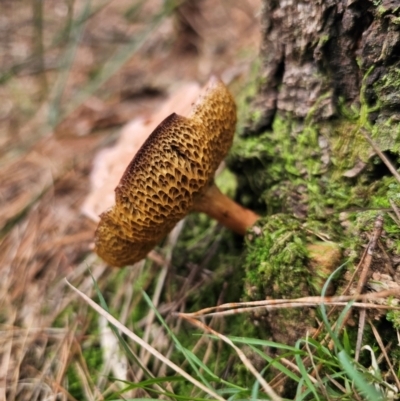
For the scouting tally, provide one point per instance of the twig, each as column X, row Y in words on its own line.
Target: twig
column 379, row 340
column 387, row 162
column 340, row 300
column 366, row 264
column 363, row 279
column 395, row 209
column 388, row 263
column 360, row 332
column 337, row 384
column 370, row 251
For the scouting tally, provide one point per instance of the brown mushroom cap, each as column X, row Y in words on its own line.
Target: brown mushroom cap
column 171, row 170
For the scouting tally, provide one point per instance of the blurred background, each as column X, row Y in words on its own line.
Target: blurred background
column 72, row 74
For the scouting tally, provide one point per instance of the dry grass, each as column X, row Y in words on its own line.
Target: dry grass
column 53, row 118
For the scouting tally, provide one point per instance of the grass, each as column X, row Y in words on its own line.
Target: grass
column 65, row 67
column 311, row 367
column 81, row 62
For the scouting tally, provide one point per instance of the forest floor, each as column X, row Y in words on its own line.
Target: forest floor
column 72, row 74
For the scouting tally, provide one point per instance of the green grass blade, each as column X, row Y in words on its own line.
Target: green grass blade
column 276, row 364
column 324, row 314
column 263, row 343
column 304, row 374
column 75, row 35
column 363, row 386
column 193, row 361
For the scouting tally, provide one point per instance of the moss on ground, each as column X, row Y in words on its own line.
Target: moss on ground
column 273, row 243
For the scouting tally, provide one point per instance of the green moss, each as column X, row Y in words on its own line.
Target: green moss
column 292, row 164
column 276, row 258
column 383, row 10
column 386, row 129
column 394, row 315
column 323, row 40
column 348, row 145
column 226, row 181
column 327, row 182
column 92, row 355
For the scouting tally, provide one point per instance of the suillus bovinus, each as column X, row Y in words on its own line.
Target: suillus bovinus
column 171, row 175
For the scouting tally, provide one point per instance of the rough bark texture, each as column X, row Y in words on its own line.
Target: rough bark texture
column 329, row 69
column 316, row 52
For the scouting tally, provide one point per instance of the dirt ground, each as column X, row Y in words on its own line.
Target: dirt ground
column 71, row 74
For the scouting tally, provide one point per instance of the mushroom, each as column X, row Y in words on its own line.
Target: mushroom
column 170, row 176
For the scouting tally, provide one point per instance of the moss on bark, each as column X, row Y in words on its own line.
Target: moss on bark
column 313, row 179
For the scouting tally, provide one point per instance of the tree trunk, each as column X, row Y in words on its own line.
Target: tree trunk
column 329, row 78
column 317, row 54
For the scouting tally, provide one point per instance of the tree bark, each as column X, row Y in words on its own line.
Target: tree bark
column 317, row 52
column 329, row 77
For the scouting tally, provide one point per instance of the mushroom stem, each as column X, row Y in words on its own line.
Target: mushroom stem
column 229, row 213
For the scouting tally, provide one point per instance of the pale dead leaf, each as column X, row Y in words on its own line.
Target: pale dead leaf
column 110, row 163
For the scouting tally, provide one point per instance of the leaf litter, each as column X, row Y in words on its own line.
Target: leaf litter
column 46, row 162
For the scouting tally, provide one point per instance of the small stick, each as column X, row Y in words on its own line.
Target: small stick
column 366, row 264
column 360, row 332
column 370, row 251
column 379, row 340
column 395, row 208
column 389, row 165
